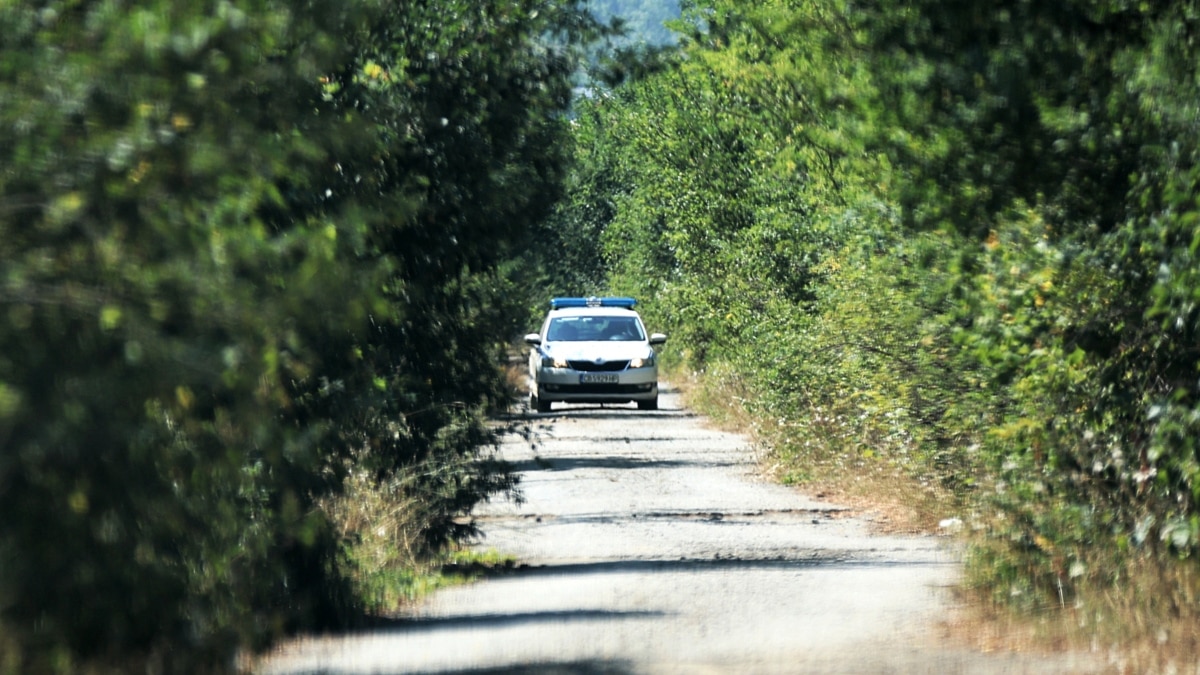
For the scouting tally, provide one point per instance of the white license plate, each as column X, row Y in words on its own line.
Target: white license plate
column 599, row 378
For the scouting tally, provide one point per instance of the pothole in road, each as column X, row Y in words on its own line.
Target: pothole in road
column 717, row 561
column 731, row 516
column 759, row 514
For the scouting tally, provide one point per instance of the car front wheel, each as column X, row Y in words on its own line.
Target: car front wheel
column 538, row 404
column 652, row 404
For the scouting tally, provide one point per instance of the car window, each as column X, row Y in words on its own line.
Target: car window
column 594, row 329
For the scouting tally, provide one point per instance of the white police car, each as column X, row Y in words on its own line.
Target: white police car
column 593, row 350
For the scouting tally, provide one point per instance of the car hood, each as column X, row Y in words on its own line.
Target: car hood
column 591, row 351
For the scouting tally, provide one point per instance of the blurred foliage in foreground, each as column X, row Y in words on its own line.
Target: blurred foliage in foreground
column 249, row 251
column 951, row 241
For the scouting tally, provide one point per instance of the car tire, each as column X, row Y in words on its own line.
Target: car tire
column 538, row 404
column 652, row 404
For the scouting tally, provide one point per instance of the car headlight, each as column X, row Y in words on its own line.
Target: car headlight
column 552, row 362
column 645, row 362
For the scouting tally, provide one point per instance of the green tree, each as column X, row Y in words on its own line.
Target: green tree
column 1060, row 139
column 156, row 304
column 966, row 233
column 244, row 245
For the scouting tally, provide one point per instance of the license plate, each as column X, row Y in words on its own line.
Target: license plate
column 599, row 378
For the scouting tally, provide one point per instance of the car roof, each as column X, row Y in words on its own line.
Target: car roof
column 592, row 311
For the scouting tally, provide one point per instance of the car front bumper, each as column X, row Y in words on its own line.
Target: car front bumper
column 571, row 386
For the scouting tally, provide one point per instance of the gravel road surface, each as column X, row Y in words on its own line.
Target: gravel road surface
column 649, row 544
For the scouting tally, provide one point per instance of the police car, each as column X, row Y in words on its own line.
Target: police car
column 593, row 350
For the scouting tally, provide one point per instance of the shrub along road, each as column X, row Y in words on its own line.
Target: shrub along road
column 648, row 544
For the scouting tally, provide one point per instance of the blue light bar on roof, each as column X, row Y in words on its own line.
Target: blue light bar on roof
column 560, row 303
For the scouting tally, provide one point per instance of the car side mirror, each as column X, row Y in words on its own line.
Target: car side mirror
column 533, row 339
column 657, row 338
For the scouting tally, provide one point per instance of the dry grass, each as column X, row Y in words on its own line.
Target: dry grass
column 1138, row 609
column 892, row 506
column 1125, row 635
column 872, row 489
column 516, row 374
column 985, row 628
column 718, row 399
column 893, row 502
column 1148, row 621
column 381, row 523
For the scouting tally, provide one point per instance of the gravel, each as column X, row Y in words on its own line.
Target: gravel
column 648, row 543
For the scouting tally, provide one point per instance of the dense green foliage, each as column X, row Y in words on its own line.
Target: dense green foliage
column 954, row 240
column 256, row 257
column 247, row 249
column 562, row 255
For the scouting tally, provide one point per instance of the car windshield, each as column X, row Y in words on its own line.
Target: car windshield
column 594, row 329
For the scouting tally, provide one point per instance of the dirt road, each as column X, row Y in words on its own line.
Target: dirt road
column 650, row 545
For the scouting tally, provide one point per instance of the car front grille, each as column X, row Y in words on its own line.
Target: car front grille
column 593, row 367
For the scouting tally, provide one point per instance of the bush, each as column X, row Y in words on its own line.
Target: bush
column 244, row 245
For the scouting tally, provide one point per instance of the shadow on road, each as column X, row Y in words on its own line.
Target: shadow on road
column 591, row 667
column 586, row 667
column 607, row 462
column 607, row 411
column 413, row 625
column 813, row 562
column 610, row 413
column 595, row 413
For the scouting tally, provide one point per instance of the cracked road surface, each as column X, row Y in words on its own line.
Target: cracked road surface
column 649, row 544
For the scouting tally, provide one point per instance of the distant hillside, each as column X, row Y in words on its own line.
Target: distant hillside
column 643, row 18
